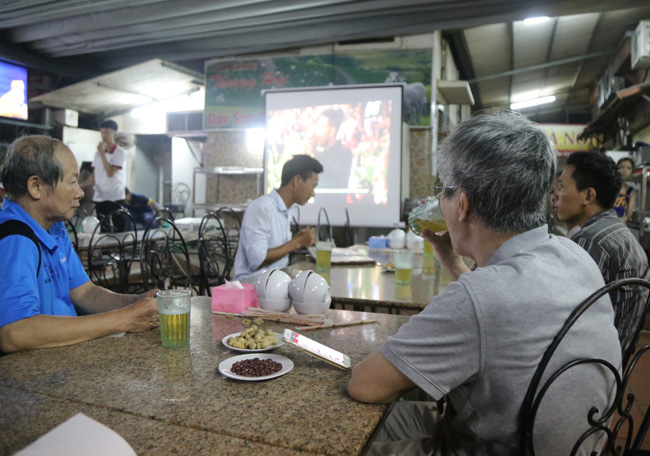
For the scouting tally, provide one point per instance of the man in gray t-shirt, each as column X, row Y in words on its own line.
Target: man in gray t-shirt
column 479, row 343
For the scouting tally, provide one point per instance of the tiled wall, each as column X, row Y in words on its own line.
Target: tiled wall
column 230, row 148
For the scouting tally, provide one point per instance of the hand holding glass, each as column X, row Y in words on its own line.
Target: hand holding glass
column 174, row 310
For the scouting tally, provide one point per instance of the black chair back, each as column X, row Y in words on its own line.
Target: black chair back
column 232, row 225
column 164, row 256
column 600, row 430
column 110, row 255
column 214, row 252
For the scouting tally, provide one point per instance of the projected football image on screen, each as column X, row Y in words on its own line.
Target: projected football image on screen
column 13, row 91
column 355, row 133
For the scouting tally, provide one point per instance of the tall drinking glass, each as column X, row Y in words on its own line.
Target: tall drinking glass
column 403, row 266
column 174, row 311
column 427, row 216
column 323, row 256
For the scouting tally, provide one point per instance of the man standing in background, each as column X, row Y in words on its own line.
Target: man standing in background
column 108, row 178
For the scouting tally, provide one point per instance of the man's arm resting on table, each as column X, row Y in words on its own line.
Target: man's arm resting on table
column 44, row 331
column 94, row 299
column 304, row 238
column 375, row 380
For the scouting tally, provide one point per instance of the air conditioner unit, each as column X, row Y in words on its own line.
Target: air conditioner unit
column 641, row 46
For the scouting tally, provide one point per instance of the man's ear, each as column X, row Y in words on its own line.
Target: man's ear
column 296, row 180
column 35, row 187
column 463, row 206
column 590, row 196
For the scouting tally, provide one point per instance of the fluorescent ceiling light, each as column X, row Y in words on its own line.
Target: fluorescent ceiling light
column 533, row 102
column 536, row 20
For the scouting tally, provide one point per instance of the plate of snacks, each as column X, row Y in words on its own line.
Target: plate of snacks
column 388, row 267
column 253, row 340
column 252, row 368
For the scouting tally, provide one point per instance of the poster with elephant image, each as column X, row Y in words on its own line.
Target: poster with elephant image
column 234, row 89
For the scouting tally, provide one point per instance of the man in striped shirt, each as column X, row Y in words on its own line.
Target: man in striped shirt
column 585, row 193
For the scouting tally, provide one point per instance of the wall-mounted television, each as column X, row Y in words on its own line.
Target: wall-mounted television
column 13, row 91
column 356, row 134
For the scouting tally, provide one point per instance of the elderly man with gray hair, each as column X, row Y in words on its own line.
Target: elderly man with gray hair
column 44, row 286
column 478, row 343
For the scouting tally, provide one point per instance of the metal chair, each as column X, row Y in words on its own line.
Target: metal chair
column 72, row 232
column 232, row 225
column 600, row 415
column 213, row 252
column 164, row 257
column 110, row 255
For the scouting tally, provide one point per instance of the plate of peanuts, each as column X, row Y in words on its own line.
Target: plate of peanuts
column 253, row 340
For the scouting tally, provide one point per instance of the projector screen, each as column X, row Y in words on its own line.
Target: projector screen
column 13, row 91
column 356, row 134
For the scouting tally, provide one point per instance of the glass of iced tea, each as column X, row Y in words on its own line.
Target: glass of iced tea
column 403, row 266
column 174, row 311
column 427, row 216
column 323, row 256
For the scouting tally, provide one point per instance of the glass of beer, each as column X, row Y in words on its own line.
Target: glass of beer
column 403, row 266
column 174, row 311
column 323, row 256
column 427, row 216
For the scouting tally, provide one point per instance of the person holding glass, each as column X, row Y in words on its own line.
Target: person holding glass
column 479, row 343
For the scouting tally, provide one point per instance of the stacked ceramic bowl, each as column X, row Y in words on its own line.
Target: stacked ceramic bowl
column 310, row 293
column 272, row 290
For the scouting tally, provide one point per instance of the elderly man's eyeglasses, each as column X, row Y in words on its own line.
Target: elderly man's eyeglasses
column 439, row 188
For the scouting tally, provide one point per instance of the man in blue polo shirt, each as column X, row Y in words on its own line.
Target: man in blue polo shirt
column 265, row 238
column 44, row 285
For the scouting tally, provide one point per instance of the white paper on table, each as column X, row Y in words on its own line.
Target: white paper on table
column 117, row 334
column 79, row 436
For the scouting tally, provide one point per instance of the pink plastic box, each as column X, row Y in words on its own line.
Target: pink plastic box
column 233, row 300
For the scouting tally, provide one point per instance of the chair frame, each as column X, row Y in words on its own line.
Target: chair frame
column 120, row 260
column 622, row 403
column 210, row 268
column 156, row 264
column 233, row 241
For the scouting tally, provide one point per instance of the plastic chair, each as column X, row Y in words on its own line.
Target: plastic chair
column 599, row 417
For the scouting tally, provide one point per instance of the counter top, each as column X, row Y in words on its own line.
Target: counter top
column 307, row 409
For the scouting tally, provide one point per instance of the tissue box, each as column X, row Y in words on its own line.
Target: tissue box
column 377, row 242
column 233, row 300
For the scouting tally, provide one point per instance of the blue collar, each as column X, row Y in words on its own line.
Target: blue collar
column 46, row 237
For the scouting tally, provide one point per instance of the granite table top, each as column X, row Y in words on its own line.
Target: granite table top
column 176, row 400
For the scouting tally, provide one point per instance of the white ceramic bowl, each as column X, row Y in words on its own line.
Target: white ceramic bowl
column 414, row 242
column 306, row 308
column 273, row 284
column 397, row 239
column 309, row 287
column 276, row 305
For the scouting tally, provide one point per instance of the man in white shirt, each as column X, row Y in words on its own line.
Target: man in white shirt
column 265, row 238
column 108, row 178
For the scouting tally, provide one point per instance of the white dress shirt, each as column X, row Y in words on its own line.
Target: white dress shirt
column 266, row 225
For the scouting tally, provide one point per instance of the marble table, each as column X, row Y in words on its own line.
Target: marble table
column 174, row 401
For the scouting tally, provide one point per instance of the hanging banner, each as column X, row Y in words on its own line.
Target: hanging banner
column 234, row 89
column 565, row 138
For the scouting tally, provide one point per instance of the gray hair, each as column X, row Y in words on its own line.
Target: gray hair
column 505, row 165
column 30, row 156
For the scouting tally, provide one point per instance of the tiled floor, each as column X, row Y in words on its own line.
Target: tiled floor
column 640, row 386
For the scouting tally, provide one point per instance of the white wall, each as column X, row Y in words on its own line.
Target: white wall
column 82, row 143
column 183, row 164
